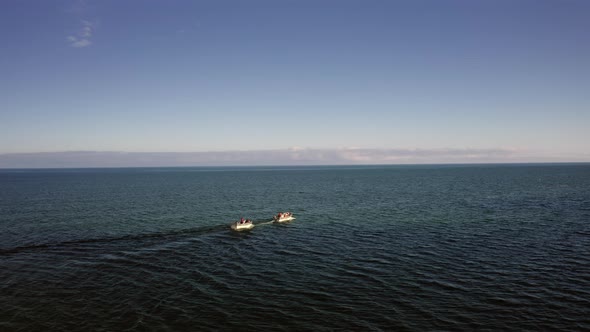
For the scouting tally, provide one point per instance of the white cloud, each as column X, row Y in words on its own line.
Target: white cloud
column 302, row 156
column 82, row 37
column 75, row 42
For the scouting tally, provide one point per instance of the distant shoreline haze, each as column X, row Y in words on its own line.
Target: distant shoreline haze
column 285, row 157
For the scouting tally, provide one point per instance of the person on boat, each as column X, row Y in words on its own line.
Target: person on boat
column 242, row 219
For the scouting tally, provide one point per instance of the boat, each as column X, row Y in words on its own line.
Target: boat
column 242, row 225
column 283, row 217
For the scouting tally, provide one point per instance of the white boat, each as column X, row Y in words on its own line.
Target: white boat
column 283, row 217
column 242, row 225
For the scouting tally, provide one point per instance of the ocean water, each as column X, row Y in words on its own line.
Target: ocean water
column 381, row 248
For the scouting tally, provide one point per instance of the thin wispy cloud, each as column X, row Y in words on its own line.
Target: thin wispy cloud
column 292, row 156
column 83, row 37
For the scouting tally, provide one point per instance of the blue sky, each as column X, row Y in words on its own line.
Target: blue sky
column 397, row 78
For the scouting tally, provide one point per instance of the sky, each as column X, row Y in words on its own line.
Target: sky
column 167, row 83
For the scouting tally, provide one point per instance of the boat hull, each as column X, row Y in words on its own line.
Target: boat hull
column 285, row 219
column 238, row 227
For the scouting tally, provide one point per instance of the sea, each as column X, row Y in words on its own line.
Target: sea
column 373, row 248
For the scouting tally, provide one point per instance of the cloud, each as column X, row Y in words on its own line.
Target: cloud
column 82, row 37
column 298, row 156
column 75, row 42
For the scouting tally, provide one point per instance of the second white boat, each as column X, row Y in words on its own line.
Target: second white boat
column 242, row 225
column 283, row 217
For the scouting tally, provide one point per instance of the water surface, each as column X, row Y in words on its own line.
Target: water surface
column 412, row 248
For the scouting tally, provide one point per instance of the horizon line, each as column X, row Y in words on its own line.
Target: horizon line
column 525, row 163
column 282, row 157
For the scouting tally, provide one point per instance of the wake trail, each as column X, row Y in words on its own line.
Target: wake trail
column 129, row 237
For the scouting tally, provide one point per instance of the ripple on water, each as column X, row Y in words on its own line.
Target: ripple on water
column 471, row 248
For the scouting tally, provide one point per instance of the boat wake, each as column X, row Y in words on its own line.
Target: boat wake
column 265, row 223
column 173, row 234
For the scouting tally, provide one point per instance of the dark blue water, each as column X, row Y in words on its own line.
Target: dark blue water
column 496, row 247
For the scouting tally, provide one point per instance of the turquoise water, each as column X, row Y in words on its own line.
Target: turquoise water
column 373, row 248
